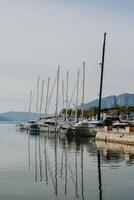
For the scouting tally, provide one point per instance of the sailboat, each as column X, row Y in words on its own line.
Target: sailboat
column 33, row 125
column 51, row 123
column 85, row 127
column 44, row 126
column 64, row 126
column 82, row 128
column 24, row 126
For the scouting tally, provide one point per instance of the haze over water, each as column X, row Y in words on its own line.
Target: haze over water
column 56, row 167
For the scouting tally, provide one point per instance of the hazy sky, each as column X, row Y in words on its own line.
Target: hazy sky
column 38, row 35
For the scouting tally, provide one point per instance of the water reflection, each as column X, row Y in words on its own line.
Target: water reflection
column 99, row 174
column 63, row 162
column 116, row 153
column 72, row 167
column 46, row 163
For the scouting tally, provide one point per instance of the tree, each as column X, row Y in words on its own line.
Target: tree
column 128, row 109
column 118, row 109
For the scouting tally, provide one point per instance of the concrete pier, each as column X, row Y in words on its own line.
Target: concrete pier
column 116, row 137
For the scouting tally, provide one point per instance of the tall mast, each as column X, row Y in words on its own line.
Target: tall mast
column 37, row 98
column 47, row 96
column 42, row 90
column 63, row 93
column 78, row 72
column 83, row 88
column 29, row 109
column 67, row 95
column 57, row 96
column 101, row 80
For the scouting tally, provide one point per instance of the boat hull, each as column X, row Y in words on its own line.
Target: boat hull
column 85, row 132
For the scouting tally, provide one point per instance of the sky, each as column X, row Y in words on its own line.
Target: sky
column 37, row 36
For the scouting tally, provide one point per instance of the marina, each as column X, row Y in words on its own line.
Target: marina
column 66, row 100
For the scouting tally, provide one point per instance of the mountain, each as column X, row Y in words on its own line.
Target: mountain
column 19, row 116
column 4, row 119
column 108, row 102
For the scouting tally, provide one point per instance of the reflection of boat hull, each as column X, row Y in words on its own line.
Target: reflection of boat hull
column 44, row 128
column 48, row 128
column 63, row 129
column 66, row 130
column 52, row 129
column 23, row 126
column 34, row 132
column 34, row 129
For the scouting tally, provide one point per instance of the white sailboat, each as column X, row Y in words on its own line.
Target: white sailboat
column 25, row 125
column 33, row 125
column 51, row 124
column 63, row 127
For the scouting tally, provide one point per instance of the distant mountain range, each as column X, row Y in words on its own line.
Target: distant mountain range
column 110, row 101
column 107, row 102
column 4, row 119
column 18, row 116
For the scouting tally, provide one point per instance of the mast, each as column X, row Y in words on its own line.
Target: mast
column 115, row 101
column 83, row 87
column 57, row 96
column 101, row 80
column 77, row 95
column 37, row 98
column 63, row 93
column 47, row 95
column 30, row 102
column 67, row 95
column 42, row 90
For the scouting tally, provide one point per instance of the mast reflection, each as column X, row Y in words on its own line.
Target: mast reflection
column 40, row 161
column 68, row 178
column 46, row 164
column 99, row 174
column 36, row 160
column 29, row 159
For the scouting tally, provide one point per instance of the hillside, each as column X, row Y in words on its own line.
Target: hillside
column 4, row 118
column 19, row 116
column 108, row 102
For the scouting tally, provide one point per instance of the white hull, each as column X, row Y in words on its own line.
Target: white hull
column 47, row 128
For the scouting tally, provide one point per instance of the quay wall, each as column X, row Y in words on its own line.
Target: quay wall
column 116, row 137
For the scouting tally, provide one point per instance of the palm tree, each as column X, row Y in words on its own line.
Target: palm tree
column 128, row 109
column 118, row 109
column 93, row 112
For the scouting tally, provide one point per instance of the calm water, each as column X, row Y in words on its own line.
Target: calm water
column 53, row 167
